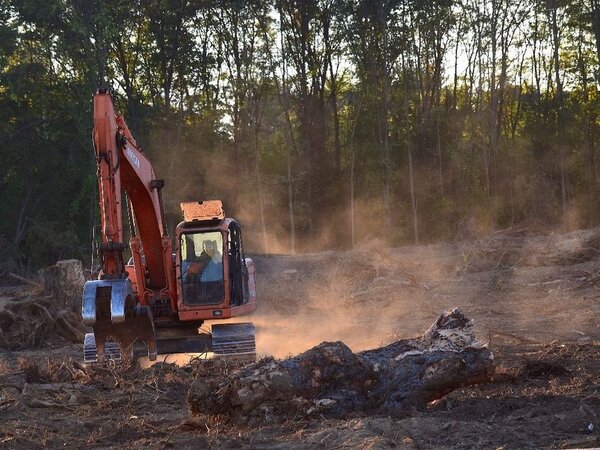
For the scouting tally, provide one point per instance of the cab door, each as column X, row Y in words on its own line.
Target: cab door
column 238, row 272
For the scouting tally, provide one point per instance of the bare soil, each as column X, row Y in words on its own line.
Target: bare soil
column 534, row 299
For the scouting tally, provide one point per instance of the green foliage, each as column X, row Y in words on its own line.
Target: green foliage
column 293, row 112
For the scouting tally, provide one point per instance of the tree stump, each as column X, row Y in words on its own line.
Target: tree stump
column 64, row 281
column 332, row 381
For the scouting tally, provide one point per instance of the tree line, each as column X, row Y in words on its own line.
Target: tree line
column 320, row 123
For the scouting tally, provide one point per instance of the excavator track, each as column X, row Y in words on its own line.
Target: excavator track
column 231, row 340
column 234, row 340
column 112, row 350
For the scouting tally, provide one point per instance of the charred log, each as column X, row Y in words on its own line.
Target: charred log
column 331, row 380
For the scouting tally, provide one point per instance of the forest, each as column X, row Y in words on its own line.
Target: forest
column 319, row 123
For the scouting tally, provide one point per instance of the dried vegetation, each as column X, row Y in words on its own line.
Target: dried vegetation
column 44, row 311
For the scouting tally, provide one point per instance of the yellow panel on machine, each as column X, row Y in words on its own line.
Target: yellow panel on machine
column 207, row 210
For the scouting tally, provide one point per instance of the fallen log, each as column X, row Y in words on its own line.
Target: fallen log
column 332, row 381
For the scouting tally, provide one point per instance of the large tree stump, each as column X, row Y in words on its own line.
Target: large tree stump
column 64, row 281
column 331, row 380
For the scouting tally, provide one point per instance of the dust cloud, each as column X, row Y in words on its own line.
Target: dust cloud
column 515, row 285
column 321, row 296
column 362, row 297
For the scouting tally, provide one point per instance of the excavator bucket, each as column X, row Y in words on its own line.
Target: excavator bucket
column 108, row 307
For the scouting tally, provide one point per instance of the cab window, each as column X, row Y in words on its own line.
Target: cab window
column 202, row 268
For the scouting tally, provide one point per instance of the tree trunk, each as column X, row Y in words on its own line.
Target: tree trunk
column 455, row 81
column 559, row 93
column 596, row 24
column 261, row 205
column 336, row 121
column 352, row 173
column 439, row 151
column 413, row 200
column 291, row 142
column 383, row 122
column 331, row 381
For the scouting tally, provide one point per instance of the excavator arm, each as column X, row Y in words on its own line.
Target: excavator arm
column 123, row 168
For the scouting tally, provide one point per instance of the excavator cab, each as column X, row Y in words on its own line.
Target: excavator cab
column 215, row 279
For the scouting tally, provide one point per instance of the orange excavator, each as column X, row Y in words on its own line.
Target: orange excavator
column 157, row 301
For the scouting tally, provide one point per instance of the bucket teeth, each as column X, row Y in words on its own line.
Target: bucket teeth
column 112, row 351
column 233, row 340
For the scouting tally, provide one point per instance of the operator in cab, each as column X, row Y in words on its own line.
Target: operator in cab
column 202, row 274
column 213, row 271
column 193, row 265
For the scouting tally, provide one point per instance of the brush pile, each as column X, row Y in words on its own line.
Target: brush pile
column 331, row 381
column 44, row 310
column 512, row 247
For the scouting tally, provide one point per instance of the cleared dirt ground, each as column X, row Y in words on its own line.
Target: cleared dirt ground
column 534, row 298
